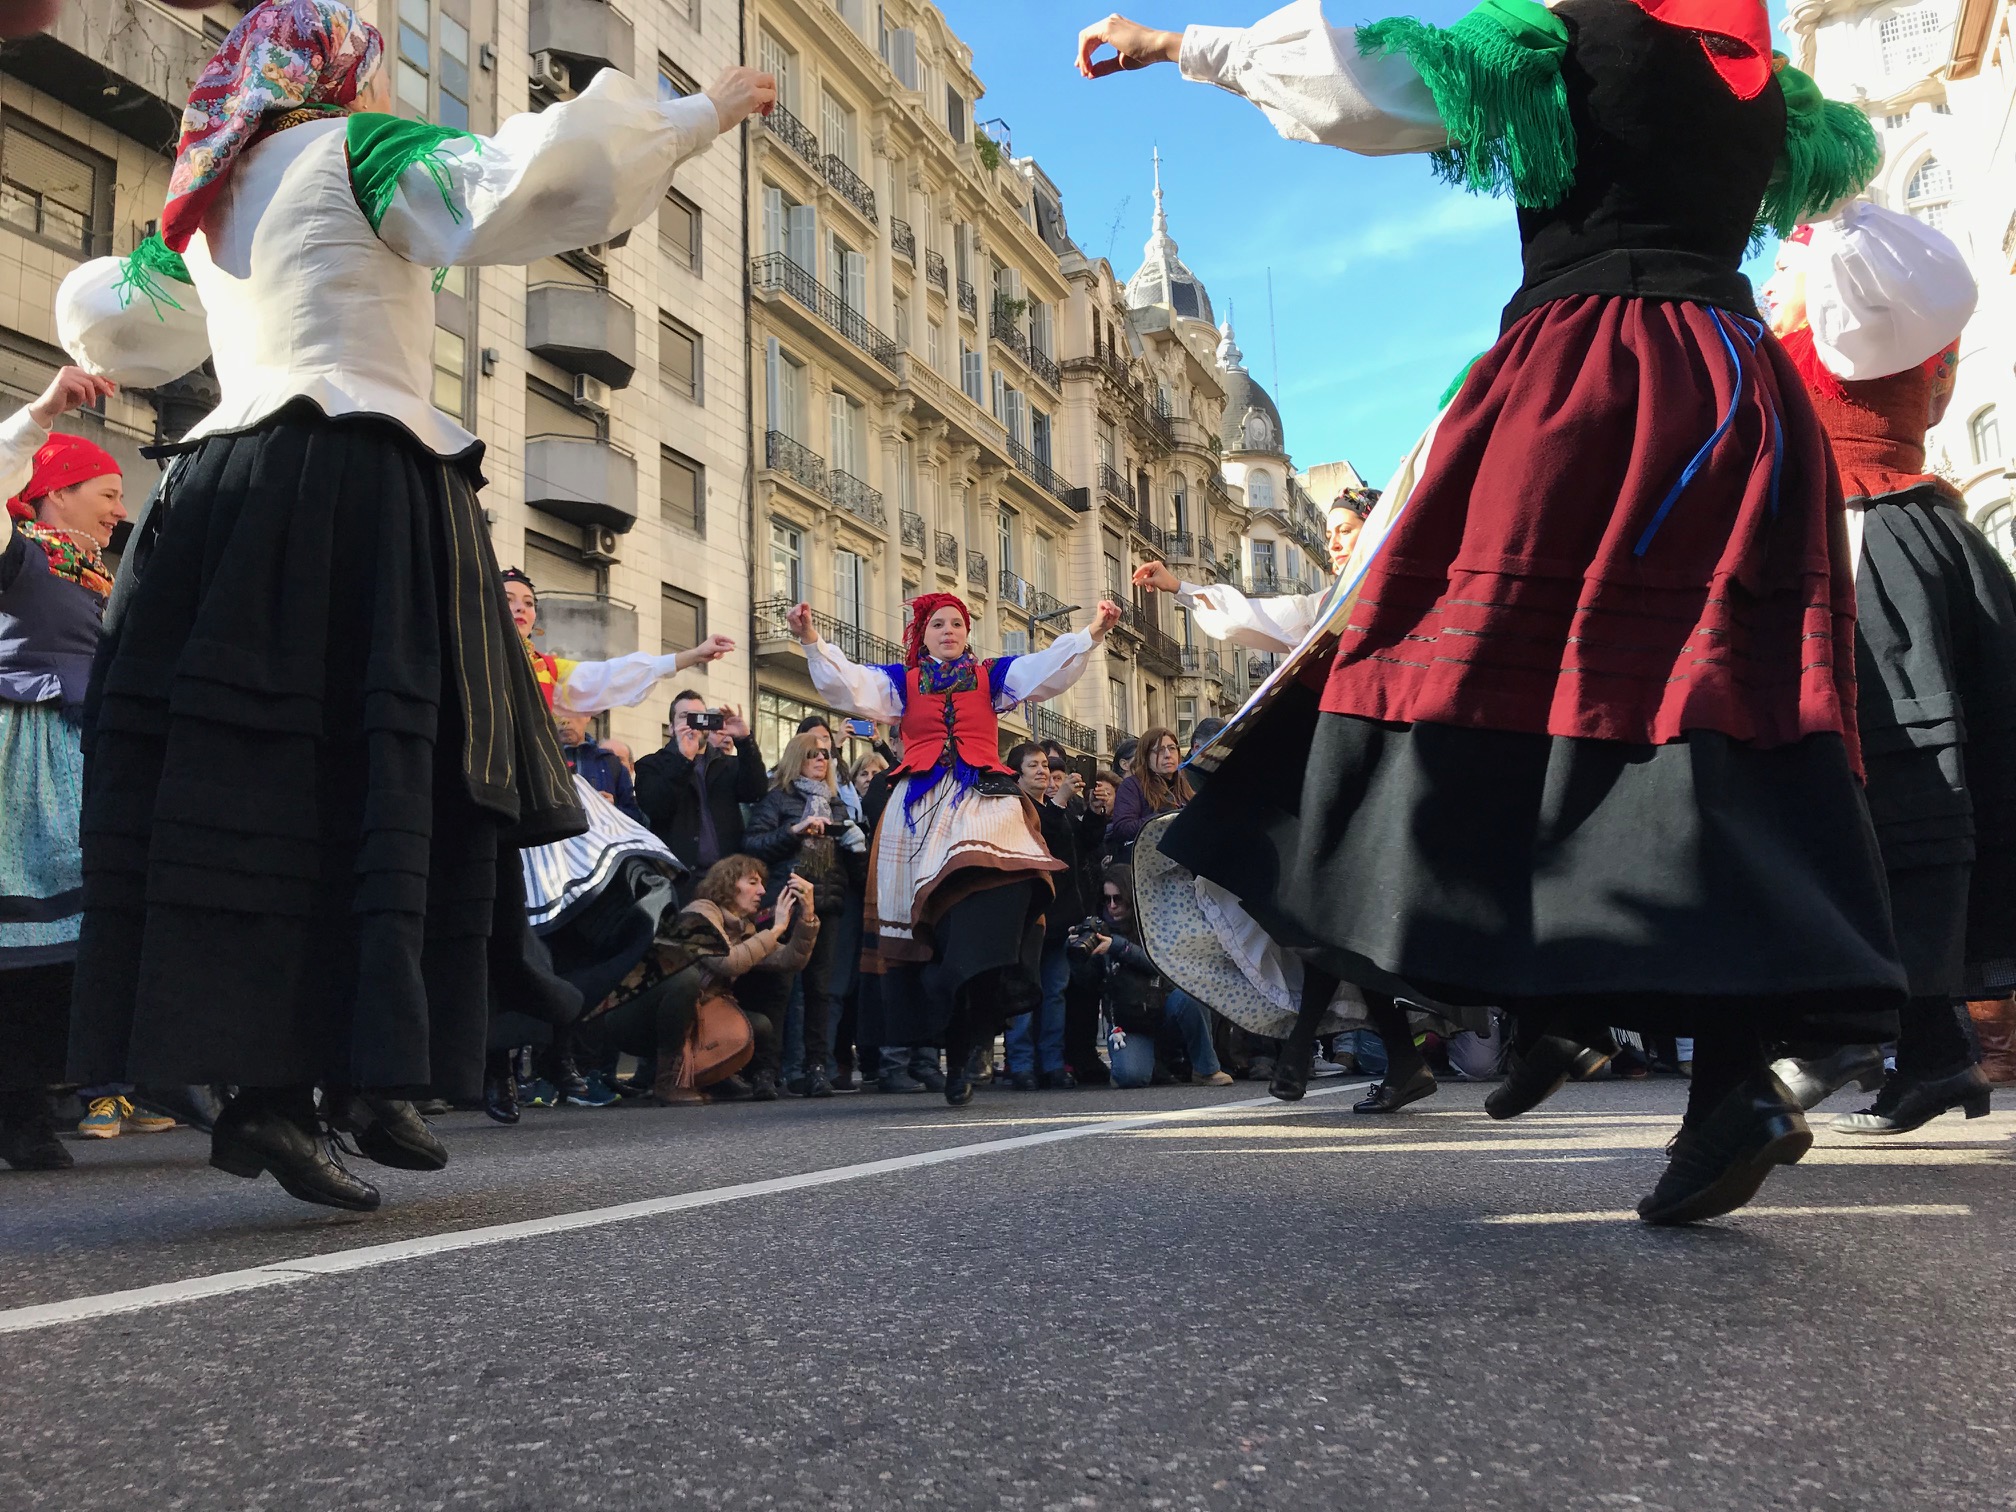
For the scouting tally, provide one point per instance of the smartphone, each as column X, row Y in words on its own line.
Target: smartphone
column 863, row 729
column 707, row 719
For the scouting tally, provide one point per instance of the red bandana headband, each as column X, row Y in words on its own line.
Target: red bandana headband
column 1735, row 34
column 922, row 608
column 61, row 462
column 284, row 55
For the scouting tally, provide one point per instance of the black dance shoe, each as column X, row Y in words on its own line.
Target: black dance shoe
column 1542, row 1071
column 1058, row 1081
column 1391, row 1096
column 500, row 1097
column 1716, row 1166
column 28, row 1139
column 1812, row 1082
column 1909, row 1101
column 249, row 1140
column 959, row 1084
column 1290, row 1079
column 388, row 1132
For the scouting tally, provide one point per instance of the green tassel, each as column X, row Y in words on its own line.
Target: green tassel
column 142, row 270
column 383, row 147
column 1830, row 153
column 1496, row 79
column 1455, row 386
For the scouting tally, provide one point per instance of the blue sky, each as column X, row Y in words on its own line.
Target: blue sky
column 1385, row 282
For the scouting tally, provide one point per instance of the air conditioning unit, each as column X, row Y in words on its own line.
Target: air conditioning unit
column 599, row 545
column 591, row 393
column 549, row 72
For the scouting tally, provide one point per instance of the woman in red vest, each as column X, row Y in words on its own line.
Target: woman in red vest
column 958, row 873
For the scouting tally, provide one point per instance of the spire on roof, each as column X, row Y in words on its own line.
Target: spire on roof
column 1230, row 358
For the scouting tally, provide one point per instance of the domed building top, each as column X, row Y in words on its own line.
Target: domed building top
column 1162, row 279
column 1250, row 423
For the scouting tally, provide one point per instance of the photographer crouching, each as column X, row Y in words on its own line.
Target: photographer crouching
column 1147, row 1019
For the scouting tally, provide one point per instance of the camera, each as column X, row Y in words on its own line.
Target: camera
column 707, row 719
column 1079, row 937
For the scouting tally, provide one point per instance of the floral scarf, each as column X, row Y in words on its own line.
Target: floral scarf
column 285, row 54
column 72, row 557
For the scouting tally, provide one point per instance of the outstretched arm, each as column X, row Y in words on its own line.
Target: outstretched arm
column 133, row 319
column 591, row 687
column 1044, row 674
column 865, row 692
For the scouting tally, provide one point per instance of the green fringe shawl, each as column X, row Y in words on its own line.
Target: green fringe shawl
column 383, row 147
column 142, row 270
column 1830, row 152
column 1496, row 79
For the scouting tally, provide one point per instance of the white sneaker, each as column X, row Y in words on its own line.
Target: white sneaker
column 1324, row 1067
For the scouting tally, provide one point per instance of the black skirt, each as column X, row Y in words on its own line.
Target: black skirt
column 984, row 973
column 1670, row 888
column 313, row 741
column 1936, row 669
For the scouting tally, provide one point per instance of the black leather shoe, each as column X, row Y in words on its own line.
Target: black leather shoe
column 932, row 1078
column 1716, row 1166
column 388, row 1132
column 818, row 1084
column 28, row 1139
column 1812, row 1082
column 1057, row 1081
column 1544, row 1070
column 763, row 1087
column 959, row 1085
column 1391, row 1096
column 253, row 1140
column 1022, row 1081
column 500, row 1097
column 1290, row 1080
column 1910, row 1102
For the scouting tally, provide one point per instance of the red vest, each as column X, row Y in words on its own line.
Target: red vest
column 938, row 726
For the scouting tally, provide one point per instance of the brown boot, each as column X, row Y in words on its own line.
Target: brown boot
column 1995, row 1027
column 667, row 1089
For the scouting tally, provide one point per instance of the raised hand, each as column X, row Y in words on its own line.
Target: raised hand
column 1104, row 618
column 1155, row 578
column 740, row 93
column 71, row 389
column 711, row 649
column 1134, row 46
column 800, row 620
column 736, row 727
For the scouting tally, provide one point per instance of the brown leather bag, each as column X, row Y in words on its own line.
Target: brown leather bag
column 720, row 1043
column 1995, row 1027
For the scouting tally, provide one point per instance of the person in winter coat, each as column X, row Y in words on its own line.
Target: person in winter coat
column 1036, row 1040
column 692, row 791
column 801, row 830
column 1155, row 785
column 1147, row 1016
column 597, row 764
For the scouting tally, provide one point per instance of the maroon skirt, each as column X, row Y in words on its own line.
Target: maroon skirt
column 1629, row 527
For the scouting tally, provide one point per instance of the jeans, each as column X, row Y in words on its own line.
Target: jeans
column 1366, row 1049
column 1185, row 1021
column 1036, row 1040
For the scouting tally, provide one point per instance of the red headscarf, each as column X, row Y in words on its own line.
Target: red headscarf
column 922, row 608
column 61, row 462
column 1736, row 35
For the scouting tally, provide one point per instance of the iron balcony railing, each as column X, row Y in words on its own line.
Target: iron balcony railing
column 1113, row 485
column 1159, row 650
column 853, row 188
column 1154, row 535
column 796, row 461
column 1050, row 725
column 1037, row 470
column 1162, row 424
column 857, row 498
column 913, row 531
column 1045, row 367
column 793, row 133
column 1200, row 659
column 1185, row 545
column 1016, row 590
column 976, row 570
column 1116, row 737
column 1008, row 331
column 969, row 299
column 946, row 550
column 934, row 269
column 903, row 239
column 775, row 271
column 856, row 644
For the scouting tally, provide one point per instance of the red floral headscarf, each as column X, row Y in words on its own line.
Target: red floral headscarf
column 921, row 609
column 285, row 54
column 61, row 462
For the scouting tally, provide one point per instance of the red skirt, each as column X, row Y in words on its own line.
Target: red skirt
column 1552, row 574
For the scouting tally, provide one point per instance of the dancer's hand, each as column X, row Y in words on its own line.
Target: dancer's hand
column 1104, row 618
column 711, row 649
column 740, row 93
column 800, row 621
column 71, row 389
column 1134, row 46
column 1155, row 578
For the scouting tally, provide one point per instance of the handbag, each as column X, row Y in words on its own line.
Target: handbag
column 719, row 1044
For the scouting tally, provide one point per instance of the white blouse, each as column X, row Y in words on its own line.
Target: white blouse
column 1224, row 613
column 1309, row 80
column 20, row 439
column 619, row 683
column 868, row 692
column 296, row 296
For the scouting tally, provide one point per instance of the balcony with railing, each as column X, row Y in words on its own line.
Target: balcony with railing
column 851, row 186
column 903, row 240
column 774, row 273
column 1187, row 546
column 945, row 550
column 1201, row 661
column 934, row 270
column 1217, row 492
column 1044, row 366
column 1162, row 424
column 969, row 299
column 1115, row 487
column 856, row 644
column 796, row 461
column 913, row 532
column 976, row 570
column 793, row 133
column 1159, row 651
column 1156, row 537
column 857, row 498
column 1050, row 725
column 1039, row 472
column 1008, row 331
column 1116, row 737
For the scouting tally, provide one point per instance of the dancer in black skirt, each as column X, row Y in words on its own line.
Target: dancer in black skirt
column 315, row 742
column 1577, row 736
column 1870, row 304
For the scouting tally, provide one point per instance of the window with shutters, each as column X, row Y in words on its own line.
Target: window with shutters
column 1004, row 537
column 999, row 406
column 1259, row 491
column 451, row 373
column 850, row 588
column 1045, row 564
column 906, row 475
column 774, row 58
column 1042, row 338
column 53, row 189
column 682, row 620
column 900, row 307
column 969, row 374
column 1263, row 561
column 549, row 412
column 679, row 230
column 934, row 346
column 1909, row 38
column 847, row 442
column 836, row 128
column 1039, row 435
column 1116, row 698
column 955, row 115
column 682, row 492
column 1015, row 414
column 848, row 271
column 679, row 358
column 784, row 390
column 787, row 562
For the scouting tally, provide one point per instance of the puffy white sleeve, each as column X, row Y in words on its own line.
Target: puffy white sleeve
column 1309, row 81
column 1046, row 673
column 568, row 176
column 1269, row 624
column 591, row 687
column 1884, row 292
column 115, row 327
column 864, row 692
column 20, row 439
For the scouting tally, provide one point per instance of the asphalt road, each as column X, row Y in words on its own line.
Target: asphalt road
column 1217, row 1304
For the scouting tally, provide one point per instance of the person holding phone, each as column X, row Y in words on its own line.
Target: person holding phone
column 693, row 788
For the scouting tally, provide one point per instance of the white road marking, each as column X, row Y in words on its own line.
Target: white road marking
column 309, row 1267
column 1872, row 1210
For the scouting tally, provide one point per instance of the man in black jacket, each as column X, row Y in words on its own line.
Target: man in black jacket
column 1036, row 1040
column 693, row 790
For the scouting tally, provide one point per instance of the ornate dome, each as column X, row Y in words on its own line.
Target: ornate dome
column 1163, row 281
column 1250, row 423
